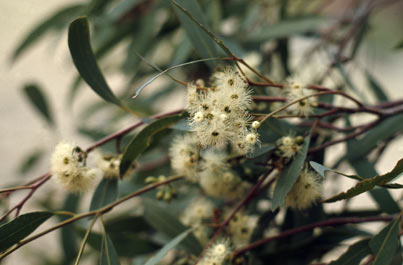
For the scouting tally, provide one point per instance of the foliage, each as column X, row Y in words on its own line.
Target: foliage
column 236, row 176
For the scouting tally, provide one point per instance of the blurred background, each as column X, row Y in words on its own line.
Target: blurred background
column 23, row 132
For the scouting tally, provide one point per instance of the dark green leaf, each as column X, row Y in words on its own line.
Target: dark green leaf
column 108, row 252
column 106, row 192
column 68, row 235
column 381, row 132
column 369, row 183
column 263, row 149
column 354, row 254
column 84, row 59
column 289, row 175
column 128, row 224
column 172, row 244
column 142, row 140
column 30, row 161
column 385, row 243
column 399, row 45
column 201, row 41
column 38, row 100
column 21, row 227
column 376, row 88
column 287, row 28
column 168, row 224
column 192, row 20
column 58, row 19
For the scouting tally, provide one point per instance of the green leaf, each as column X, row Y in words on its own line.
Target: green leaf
column 289, row 175
column 38, row 100
column 106, row 192
column 376, row 87
column 359, row 37
column 321, row 169
column 285, row 28
column 385, row 243
column 381, row 132
column 128, row 224
column 30, row 161
column 108, row 252
column 55, row 21
column 68, row 236
column 172, row 244
column 85, row 62
column 354, row 254
column 263, row 149
column 369, row 183
column 168, row 224
column 189, row 15
column 142, row 140
column 399, row 45
column 21, row 227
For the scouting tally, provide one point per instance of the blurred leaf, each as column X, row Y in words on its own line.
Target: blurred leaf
column 189, row 15
column 127, row 244
column 349, row 82
column 385, row 243
column 285, row 28
column 85, row 62
column 172, row 244
column 354, row 254
column 399, row 45
column 20, row 227
column 182, row 51
column 68, row 235
column 376, row 87
column 106, row 192
column 59, row 18
column 262, row 149
column 30, row 161
column 142, row 140
column 96, row 6
column 369, row 183
column 289, row 175
column 382, row 131
column 121, row 8
column 359, row 37
column 38, row 100
column 189, row 19
column 108, row 252
column 128, row 224
column 168, row 224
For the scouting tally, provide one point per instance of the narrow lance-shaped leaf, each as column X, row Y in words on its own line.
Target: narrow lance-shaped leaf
column 172, row 244
column 21, row 227
column 84, row 59
column 108, row 252
column 59, row 18
column 38, row 100
column 354, row 254
column 289, row 175
column 369, row 183
column 385, row 243
column 168, row 224
column 200, row 25
column 142, row 140
column 106, row 192
column 376, row 87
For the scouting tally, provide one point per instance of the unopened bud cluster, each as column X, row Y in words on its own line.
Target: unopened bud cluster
column 165, row 192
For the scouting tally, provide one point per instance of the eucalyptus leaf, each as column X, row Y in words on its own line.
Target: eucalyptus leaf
column 106, row 192
column 85, row 62
column 168, row 224
column 38, row 100
column 376, row 88
column 30, row 161
column 354, row 254
column 108, row 252
column 385, row 243
column 289, row 175
column 20, row 227
column 172, row 244
column 142, row 140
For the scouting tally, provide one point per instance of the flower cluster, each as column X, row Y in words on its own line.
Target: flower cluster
column 68, row 168
column 295, row 90
column 217, row 253
column 305, row 191
column 288, row 146
column 241, row 228
column 218, row 114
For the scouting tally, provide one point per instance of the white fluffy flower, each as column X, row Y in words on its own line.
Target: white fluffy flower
column 184, row 156
column 68, row 169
